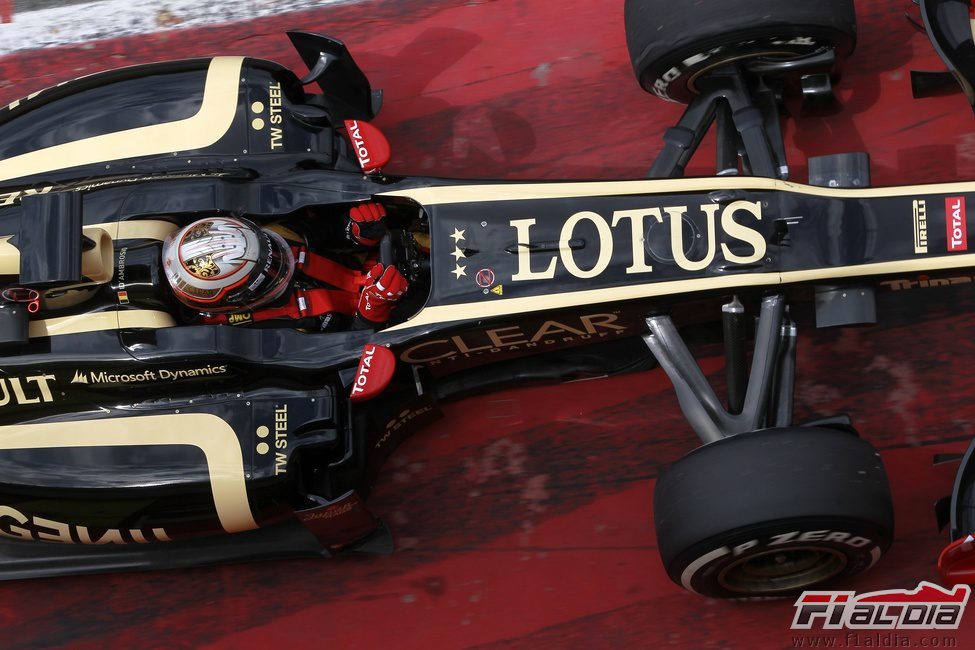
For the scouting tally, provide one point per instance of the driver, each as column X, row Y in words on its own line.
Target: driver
column 231, row 271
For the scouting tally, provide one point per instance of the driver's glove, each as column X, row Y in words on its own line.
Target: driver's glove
column 384, row 286
column 367, row 223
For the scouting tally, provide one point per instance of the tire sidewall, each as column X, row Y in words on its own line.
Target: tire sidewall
column 701, row 568
column 671, row 77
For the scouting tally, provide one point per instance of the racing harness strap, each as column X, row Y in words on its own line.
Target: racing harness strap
column 325, row 270
column 304, row 303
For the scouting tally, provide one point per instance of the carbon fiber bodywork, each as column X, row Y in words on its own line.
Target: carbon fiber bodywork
column 128, row 427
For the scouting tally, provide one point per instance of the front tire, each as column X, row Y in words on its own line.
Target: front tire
column 771, row 513
column 672, row 43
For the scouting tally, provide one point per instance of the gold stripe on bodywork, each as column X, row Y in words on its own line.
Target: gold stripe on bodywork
column 534, row 191
column 97, row 263
column 208, row 126
column 9, row 257
column 446, row 195
column 209, row 433
column 105, row 320
column 562, row 300
column 145, row 229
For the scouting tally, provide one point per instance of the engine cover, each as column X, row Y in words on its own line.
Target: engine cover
column 181, row 115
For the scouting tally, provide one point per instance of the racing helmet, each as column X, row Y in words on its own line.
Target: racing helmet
column 224, row 264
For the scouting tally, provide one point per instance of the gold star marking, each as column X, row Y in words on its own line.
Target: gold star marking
column 459, row 271
column 458, row 235
column 458, row 254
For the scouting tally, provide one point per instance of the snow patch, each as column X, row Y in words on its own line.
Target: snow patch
column 101, row 19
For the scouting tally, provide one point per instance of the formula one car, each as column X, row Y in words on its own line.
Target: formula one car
column 133, row 435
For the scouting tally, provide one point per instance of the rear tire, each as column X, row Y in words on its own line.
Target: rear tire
column 672, row 43
column 773, row 512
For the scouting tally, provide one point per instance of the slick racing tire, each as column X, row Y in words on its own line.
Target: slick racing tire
column 773, row 512
column 672, row 43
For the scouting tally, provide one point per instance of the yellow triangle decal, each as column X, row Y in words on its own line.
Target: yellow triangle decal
column 498, row 290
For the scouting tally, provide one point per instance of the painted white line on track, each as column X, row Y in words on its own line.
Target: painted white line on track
column 88, row 21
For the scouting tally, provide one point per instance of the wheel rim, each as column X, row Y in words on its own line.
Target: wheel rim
column 781, row 570
column 692, row 80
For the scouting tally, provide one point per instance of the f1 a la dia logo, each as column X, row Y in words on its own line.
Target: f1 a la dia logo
column 928, row 607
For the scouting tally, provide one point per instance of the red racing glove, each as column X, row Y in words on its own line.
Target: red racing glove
column 384, row 286
column 367, row 223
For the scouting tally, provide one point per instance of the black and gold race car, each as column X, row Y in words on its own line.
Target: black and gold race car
column 134, row 436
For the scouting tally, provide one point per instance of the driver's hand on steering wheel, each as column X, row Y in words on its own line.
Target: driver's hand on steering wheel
column 384, row 286
column 367, row 223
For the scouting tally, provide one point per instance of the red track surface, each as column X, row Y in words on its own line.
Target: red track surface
column 523, row 518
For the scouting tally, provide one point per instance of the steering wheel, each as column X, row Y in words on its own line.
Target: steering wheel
column 398, row 248
column 386, row 250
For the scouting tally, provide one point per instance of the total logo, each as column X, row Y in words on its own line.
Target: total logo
column 369, row 144
column 359, row 142
column 928, row 607
column 376, row 367
column 956, row 224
